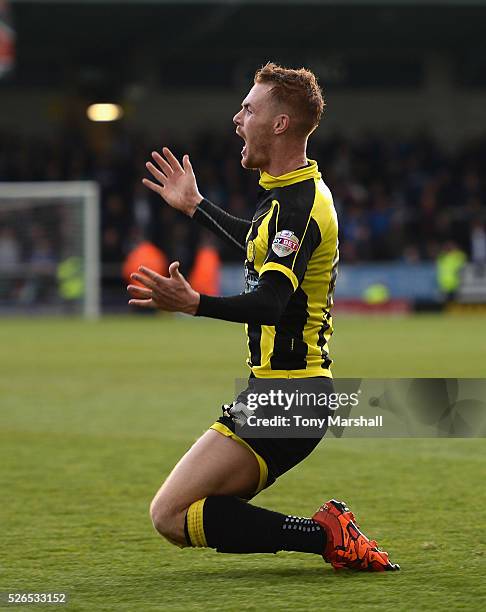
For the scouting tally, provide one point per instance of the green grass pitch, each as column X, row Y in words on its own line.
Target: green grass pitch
column 93, row 417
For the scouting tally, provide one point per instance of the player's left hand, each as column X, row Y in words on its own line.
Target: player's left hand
column 173, row 294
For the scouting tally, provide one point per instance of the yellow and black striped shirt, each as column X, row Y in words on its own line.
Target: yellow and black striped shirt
column 294, row 231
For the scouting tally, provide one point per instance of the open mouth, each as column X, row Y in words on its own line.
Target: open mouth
column 243, row 150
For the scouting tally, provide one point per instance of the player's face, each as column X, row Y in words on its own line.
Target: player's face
column 254, row 124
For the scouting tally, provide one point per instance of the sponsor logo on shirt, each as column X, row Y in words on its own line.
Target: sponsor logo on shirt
column 251, row 280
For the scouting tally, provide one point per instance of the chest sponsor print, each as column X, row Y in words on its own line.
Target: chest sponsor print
column 251, row 280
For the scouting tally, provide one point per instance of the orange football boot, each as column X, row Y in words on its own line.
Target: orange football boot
column 347, row 546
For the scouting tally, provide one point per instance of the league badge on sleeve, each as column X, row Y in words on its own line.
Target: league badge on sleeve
column 285, row 243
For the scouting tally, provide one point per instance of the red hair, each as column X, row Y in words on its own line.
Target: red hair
column 298, row 90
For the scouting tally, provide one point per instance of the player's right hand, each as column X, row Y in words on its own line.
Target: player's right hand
column 176, row 184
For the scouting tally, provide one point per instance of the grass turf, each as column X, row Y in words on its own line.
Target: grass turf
column 93, row 417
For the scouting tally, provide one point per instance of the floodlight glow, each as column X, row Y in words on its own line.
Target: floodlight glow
column 104, row 112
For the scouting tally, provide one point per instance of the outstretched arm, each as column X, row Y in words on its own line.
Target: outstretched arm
column 177, row 185
column 231, row 229
column 264, row 306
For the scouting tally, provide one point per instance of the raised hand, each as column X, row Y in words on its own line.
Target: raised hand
column 176, row 184
column 173, row 294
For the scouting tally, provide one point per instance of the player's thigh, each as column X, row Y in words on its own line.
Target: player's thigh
column 214, row 465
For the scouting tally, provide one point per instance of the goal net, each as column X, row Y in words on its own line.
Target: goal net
column 49, row 248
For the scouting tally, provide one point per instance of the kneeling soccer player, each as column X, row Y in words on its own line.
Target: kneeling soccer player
column 291, row 249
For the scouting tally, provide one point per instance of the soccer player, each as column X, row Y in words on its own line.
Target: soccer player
column 291, row 249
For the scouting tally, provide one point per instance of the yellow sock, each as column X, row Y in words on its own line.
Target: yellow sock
column 195, row 526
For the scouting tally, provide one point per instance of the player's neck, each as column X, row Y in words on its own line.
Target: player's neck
column 282, row 164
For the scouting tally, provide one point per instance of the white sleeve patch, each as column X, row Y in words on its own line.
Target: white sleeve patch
column 285, row 243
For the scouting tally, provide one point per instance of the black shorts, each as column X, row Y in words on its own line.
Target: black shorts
column 274, row 455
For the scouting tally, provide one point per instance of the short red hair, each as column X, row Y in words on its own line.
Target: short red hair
column 299, row 90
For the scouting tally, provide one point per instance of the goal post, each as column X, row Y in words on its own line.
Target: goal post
column 49, row 248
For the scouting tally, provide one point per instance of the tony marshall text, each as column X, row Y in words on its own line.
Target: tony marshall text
column 300, row 421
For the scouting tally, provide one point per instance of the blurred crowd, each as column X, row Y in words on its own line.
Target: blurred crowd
column 397, row 199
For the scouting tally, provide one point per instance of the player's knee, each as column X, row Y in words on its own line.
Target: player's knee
column 160, row 515
column 164, row 519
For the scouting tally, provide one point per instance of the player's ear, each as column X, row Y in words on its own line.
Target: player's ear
column 281, row 123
